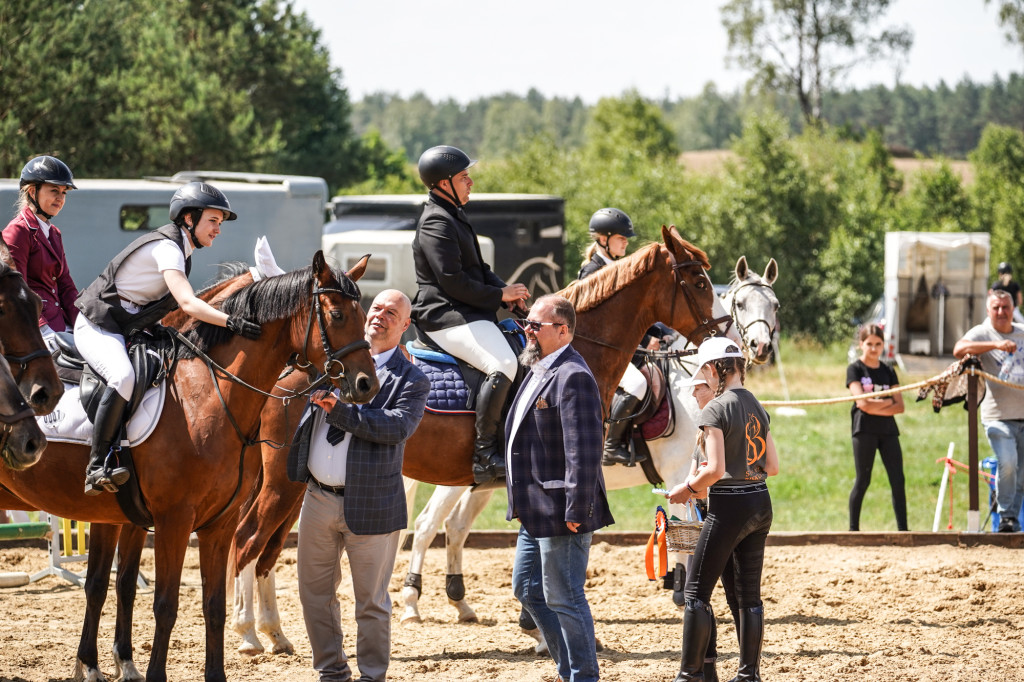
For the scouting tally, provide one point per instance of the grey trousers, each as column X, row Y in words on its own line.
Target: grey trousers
column 323, row 535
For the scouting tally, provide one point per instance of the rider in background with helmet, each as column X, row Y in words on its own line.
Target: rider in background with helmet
column 611, row 230
column 147, row 280
column 459, row 296
column 1005, row 283
column 36, row 245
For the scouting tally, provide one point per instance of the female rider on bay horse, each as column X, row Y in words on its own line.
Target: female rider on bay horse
column 144, row 282
column 611, row 230
column 459, row 296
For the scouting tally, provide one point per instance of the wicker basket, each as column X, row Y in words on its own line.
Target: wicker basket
column 681, row 535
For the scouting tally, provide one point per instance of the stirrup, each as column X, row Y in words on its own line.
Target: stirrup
column 486, row 469
column 99, row 482
column 118, row 475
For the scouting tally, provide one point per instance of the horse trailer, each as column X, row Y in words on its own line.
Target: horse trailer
column 103, row 216
column 935, row 289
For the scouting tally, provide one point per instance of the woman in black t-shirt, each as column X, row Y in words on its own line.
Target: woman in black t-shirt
column 873, row 425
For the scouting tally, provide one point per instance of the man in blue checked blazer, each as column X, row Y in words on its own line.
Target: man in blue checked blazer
column 350, row 457
column 555, row 484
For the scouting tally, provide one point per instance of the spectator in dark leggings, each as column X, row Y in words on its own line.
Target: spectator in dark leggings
column 741, row 455
column 874, row 427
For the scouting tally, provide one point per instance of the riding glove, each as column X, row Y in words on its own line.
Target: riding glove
column 243, row 327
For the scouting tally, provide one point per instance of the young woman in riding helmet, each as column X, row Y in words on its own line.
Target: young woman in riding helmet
column 147, row 280
column 459, row 296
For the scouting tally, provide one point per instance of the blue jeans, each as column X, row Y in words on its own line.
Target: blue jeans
column 548, row 578
column 1007, row 441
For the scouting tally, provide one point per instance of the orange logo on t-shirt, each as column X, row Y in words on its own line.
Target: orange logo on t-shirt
column 756, row 446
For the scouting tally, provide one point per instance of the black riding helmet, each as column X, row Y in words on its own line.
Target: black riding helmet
column 197, row 197
column 609, row 221
column 1005, row 269
column 443, row 163
column 45, row 170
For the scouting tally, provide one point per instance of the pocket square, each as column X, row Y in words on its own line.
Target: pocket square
column 541, row 404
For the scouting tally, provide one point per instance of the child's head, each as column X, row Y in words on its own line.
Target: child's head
column 717, row 358
column 867, row 330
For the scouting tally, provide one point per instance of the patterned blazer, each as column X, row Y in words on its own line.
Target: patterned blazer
column 374, row 493
column 555, row 471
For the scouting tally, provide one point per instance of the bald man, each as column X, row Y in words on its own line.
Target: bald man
column 350, row 457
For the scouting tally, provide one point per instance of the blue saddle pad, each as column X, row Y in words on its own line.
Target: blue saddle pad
column 448, row 392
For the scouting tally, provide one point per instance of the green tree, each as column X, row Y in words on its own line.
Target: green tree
column 806, row 46
column 998, row 191
column 1011, row 18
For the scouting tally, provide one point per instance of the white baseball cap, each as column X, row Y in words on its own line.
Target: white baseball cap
column 695, row 380
column 716, row 348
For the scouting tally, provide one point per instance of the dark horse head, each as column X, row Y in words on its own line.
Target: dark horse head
column 30, row 362
column 21, row 440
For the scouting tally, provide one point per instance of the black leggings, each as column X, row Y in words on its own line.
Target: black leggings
column 864, row 447
column 737, row 525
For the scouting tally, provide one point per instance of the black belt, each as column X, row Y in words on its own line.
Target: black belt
column 338, row 490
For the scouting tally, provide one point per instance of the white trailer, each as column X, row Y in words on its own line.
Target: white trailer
column 935, row 288
column 104, row 216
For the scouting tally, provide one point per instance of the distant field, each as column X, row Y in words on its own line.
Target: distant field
column 712, row 161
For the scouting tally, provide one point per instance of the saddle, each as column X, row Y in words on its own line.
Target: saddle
column 150, row 355
column 454, row 383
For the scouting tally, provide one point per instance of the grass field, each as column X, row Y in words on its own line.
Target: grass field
column 816, row 460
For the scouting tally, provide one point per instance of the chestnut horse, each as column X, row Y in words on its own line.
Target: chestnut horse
column 215, row 396
column 662, row 281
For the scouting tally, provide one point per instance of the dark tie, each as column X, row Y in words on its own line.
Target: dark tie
column 335, row 435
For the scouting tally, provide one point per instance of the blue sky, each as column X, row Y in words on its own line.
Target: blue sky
column 598, row 48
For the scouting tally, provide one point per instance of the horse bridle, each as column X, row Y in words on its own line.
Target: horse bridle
column 334, row 368
column 22, row 360
column 744, row 329
column 707, row 325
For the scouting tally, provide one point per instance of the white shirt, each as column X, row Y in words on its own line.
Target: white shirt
column 538, row 371
column 141, row 276
column 327, row 463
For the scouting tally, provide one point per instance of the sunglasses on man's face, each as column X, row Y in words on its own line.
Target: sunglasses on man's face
column 534, row 326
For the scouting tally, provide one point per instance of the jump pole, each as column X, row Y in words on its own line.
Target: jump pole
column 973, row 513
column 942, row 488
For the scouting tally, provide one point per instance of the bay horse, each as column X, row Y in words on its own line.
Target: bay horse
column 669, row 276
column 191, row 484
column 754, row 309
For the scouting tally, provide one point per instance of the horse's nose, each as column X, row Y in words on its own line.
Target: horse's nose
column 41, row 400
column 364, row 385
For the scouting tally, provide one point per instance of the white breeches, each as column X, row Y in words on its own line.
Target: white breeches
column 633, row 381
column 479, row 343
column 106, row 353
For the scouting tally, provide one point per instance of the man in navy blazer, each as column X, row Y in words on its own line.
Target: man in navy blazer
column 555, row 484
column 350, row 457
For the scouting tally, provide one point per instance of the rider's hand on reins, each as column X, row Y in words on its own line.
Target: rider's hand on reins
column 243, row 327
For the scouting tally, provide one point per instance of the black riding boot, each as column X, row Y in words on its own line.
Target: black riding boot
column 697, row 623
column 99, row 476
column 488, row 459
column 750, row 630
column 624, row 406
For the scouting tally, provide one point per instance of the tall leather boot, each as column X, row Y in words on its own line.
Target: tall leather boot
column 697, row 623
column 624, row 406
column 488, row 459
column 750, row 630
column 99, row 476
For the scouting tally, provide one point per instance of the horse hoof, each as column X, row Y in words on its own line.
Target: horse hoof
column 250, row 648
column 283, row 647
column 83, row 673
column 413, row 619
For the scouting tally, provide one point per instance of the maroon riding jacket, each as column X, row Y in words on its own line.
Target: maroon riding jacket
column 45, row 268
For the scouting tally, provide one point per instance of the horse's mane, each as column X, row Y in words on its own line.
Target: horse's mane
column 594, row 290
column 225, row 271
column 264, row 301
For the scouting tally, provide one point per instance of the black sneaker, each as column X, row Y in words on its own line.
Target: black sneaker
column 1008, row 525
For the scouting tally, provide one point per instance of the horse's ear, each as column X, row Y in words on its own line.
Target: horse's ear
column 771, row 272
column 670, row 235
column 321, row 271
column 741, row 268
column 358, row 269
column 5, row 255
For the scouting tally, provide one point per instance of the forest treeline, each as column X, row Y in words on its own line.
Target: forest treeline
column 930, row 121
column 128, row 88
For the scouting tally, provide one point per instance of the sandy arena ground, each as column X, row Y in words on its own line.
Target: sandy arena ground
column 832, row 612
